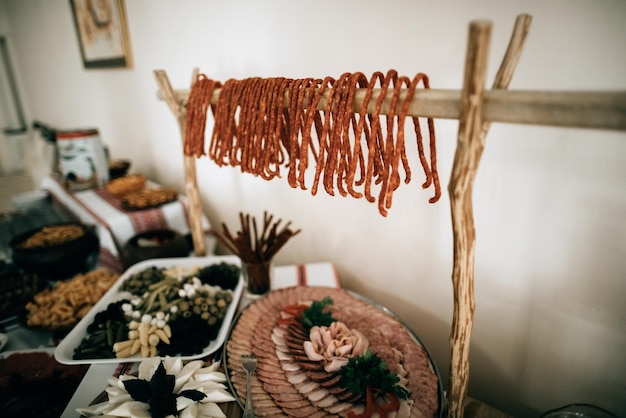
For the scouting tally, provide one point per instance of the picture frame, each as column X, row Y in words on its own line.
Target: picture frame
column 102, row 33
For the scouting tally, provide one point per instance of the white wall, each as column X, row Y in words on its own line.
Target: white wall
column 12, row 149
column 550, row 203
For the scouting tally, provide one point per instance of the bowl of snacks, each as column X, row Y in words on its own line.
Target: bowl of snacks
column 158, row 243
column 59, row 307
column 56, row 251
column 123, row 185
column 16, row 289
column 118, row 168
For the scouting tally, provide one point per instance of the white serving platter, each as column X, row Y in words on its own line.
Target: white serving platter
column 65, row 350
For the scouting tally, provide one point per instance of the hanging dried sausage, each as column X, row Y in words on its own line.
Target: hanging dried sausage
column 257, row 132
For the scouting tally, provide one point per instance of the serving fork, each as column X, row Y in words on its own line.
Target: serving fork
column 249, row 365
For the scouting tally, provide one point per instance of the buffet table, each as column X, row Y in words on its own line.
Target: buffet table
column 95, row 380
column 115, row 224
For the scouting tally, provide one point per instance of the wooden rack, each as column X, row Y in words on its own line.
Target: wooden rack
column 475, row 108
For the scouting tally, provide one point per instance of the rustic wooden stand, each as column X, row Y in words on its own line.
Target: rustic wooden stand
column 178, row 108
column 476, row 109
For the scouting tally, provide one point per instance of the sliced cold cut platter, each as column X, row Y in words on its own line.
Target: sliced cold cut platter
column 289, row 382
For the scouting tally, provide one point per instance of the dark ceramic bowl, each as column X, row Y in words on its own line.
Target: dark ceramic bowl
column 60, row 258
column 16, row 289
column 158, row 243
column 118, row 168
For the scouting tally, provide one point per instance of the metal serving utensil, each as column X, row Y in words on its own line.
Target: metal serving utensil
column 249, row 365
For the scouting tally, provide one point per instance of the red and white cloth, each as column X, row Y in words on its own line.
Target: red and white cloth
column 312, row 274
column 116, row 225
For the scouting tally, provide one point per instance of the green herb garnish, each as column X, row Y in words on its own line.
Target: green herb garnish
column 309, row 316
column 314, row 315
column 371, row 371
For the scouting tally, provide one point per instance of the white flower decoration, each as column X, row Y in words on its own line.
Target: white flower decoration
column 190, row 376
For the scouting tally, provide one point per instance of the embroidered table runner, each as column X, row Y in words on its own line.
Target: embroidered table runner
column 116, row 225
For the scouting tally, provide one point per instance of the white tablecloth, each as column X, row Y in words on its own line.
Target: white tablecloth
column 114, row 224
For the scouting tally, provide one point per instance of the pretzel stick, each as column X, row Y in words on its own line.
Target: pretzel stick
column 251, row 247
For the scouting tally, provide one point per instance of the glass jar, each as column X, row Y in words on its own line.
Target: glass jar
column 258, row 277
column 578, row 411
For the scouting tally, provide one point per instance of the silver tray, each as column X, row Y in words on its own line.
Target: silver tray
column 431, row 362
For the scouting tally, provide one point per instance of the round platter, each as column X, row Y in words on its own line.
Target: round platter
column 232, row 352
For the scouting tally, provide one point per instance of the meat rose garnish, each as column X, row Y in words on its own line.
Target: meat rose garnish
column 334, row 345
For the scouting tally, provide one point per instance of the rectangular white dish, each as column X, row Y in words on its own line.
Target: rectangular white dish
column 65, row 350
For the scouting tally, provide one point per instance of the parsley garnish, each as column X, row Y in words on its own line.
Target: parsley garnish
column 314, row 315
column 371, row 371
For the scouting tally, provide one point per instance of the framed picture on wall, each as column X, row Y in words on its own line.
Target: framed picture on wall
column 102, row 33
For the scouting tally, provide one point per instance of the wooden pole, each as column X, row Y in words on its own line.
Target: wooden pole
column 179, row 110
column 513, row 52
column 460, row 189
column 568, row 109
column 468, row 152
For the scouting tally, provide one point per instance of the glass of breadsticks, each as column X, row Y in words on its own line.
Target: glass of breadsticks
column 257, row 248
